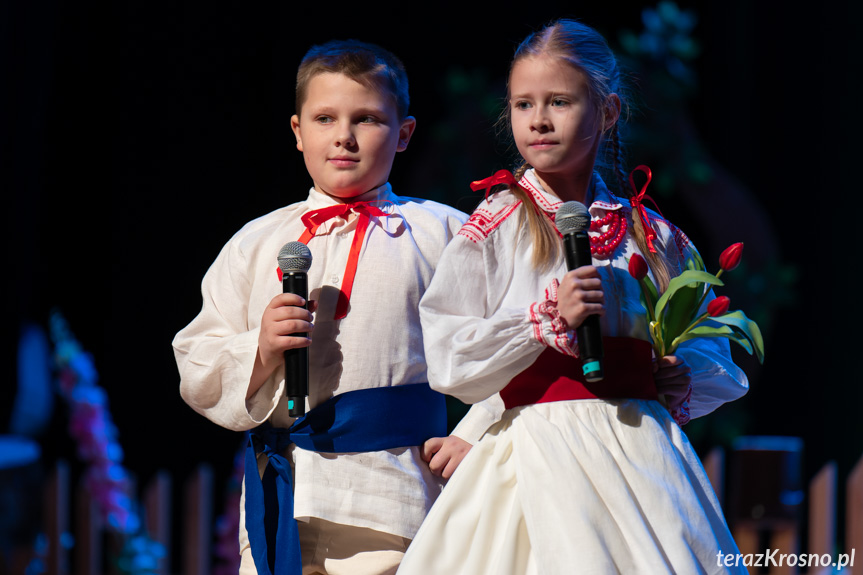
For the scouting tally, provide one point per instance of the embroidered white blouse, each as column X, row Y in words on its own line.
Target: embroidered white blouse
column 487, row 313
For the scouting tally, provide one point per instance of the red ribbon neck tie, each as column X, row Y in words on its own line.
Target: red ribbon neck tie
column 637, row 201
column 364, row 210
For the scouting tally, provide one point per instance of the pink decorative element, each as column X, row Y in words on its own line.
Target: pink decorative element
column 90, row 425
column 95, row 434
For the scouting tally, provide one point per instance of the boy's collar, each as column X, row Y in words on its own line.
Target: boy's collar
column 600, row 197
column 382, row 197
column 319, row 200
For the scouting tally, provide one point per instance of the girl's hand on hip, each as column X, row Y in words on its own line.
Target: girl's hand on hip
column 444, row 454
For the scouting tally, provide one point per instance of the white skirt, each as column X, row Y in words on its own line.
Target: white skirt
column 587, row 486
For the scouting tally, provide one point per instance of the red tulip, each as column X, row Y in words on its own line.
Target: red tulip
column 720, row 305
column 637, row 267
column 730, row 258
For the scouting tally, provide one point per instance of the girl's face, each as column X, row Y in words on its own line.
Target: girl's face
column 557, row 128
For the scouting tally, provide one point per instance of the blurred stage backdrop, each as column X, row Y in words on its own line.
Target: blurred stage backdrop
column 135, row 141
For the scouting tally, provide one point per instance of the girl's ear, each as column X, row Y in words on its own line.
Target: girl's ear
column 610, row 112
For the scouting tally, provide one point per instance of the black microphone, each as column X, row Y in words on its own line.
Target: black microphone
column 295, row 259
column 572, row 221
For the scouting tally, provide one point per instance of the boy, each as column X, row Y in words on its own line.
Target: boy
column 373, row 256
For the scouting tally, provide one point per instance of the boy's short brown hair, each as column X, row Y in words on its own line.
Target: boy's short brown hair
column 362, row 62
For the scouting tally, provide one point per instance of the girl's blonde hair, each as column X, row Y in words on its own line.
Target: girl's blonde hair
column 587, row 51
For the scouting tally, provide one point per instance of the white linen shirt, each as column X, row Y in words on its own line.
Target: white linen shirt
column 485, row 323
column 378, row 344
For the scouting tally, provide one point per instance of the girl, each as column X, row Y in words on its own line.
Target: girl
column 575, row 477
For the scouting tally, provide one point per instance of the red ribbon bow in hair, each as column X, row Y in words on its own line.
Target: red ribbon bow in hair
column 499, row 177
column 637, row 204
column 364, row 210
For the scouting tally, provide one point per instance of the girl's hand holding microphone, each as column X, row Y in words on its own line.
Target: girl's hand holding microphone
column 580, row 295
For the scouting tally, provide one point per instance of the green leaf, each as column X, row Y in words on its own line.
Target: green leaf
column 687, row 278
column 649, row 292
column 680, row 311
column 684, row 292
column 642, row 299
column 711, row 331
column 747, row 327
column 653, row 327
column 695, row 262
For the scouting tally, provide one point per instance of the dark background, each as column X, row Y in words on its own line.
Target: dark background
column 137, row 138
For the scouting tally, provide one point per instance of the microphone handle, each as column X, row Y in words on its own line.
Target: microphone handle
column 297, row 360
column 577, row 252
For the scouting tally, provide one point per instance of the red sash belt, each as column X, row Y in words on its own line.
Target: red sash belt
column 557, row 377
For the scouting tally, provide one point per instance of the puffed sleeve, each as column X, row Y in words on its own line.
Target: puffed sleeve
column 474, row 344
column 216, row 352
column 716, row 379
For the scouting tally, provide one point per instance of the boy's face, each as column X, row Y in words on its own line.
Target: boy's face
column 349, row 134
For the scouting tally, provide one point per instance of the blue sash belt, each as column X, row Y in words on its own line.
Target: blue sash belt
column 363, row 420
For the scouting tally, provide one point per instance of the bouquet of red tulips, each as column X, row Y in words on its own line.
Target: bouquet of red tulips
column 674, row 316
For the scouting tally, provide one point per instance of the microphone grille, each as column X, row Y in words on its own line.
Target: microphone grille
column 572, row 217
column 295, row 257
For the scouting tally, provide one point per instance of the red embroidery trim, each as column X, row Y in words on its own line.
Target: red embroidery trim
column 482, row 222
column 681, row 240
column 680, row 414
column 540, row 311
column 539, row 198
